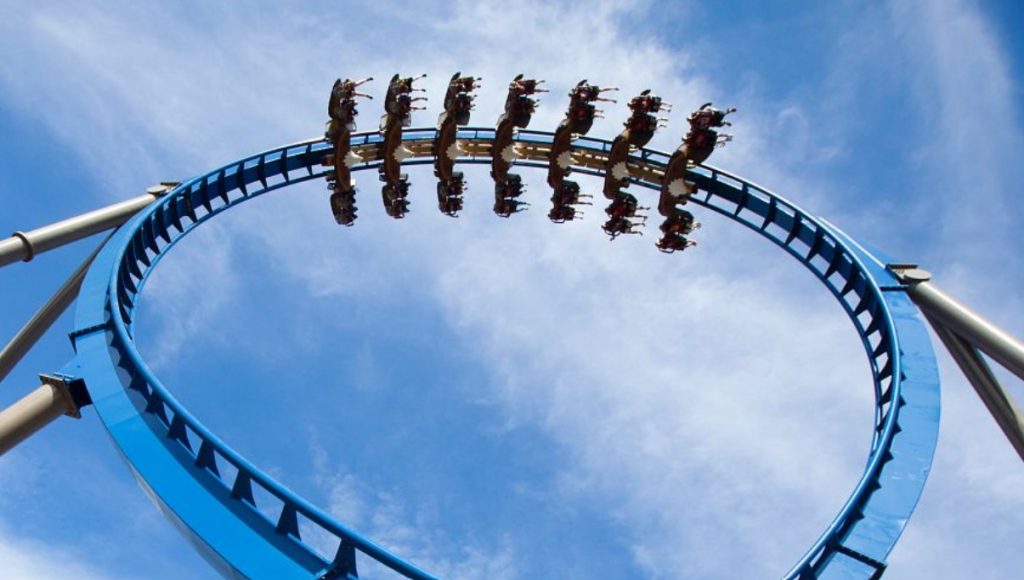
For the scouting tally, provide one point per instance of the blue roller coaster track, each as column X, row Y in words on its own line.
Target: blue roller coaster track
column 207, row 489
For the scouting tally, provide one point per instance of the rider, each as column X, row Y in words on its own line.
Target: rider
column 707, row 116
column 673, row 243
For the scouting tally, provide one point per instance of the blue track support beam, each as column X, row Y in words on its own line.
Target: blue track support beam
column 185, row 468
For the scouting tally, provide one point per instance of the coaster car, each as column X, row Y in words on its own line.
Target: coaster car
column 341, row 108
column 519, row 108
column 458, row 103
column 639, row 130
column 398, row 108
column 698, row 144
column 578, row 120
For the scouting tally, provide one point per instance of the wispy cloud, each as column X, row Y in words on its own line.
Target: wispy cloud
column 28, row 559
column 197, row 285
column 636, row 370
column 417, row 533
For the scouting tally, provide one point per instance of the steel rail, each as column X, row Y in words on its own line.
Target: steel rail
column 185, row 467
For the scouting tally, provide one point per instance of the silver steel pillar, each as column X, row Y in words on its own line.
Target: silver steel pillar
column 34, row 411
column 26, row 245
column 45, row 317
column 964, row 333
column 987, row 337
column 978, row 373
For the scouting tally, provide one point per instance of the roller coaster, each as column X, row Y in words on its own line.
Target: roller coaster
column 210, row 492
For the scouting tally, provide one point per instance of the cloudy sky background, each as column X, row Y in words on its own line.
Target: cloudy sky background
column 511, row 398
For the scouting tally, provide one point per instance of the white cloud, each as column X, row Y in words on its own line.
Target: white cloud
column 28, row 559
column 195, row 287
column 56, row 487
column 416, row 533
column 667, row 388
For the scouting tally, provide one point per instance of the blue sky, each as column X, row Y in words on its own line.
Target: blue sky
column 510, row 398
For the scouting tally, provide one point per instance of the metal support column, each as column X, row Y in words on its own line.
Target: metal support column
column 45, row 317
column 55, row 397
column 965, row 333
column 987, row 337
column 978, row 373
column 26, row 245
